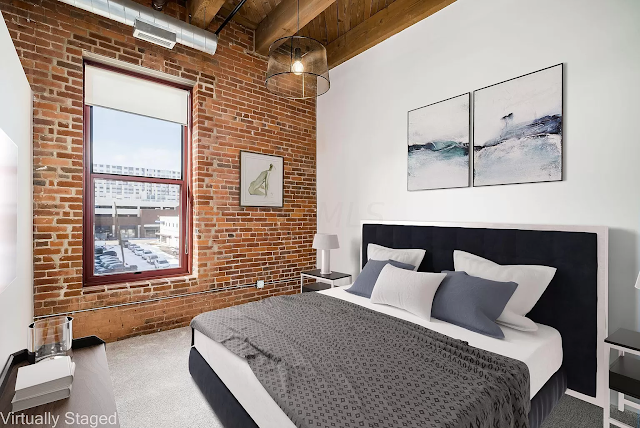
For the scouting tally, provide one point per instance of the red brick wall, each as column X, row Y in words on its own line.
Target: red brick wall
column 232, row 111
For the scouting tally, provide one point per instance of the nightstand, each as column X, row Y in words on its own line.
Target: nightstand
column 332, row 279
column 92, row 393
column 624, row 373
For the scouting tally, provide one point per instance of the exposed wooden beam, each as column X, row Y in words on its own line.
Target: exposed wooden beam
column 283, row 21
column 203, row 11
column 242, row 20
column 226, row 11
column 391, row 20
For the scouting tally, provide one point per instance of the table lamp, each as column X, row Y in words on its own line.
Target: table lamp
column 325, row 242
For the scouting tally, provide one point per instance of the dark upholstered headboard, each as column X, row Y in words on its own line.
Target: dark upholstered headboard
column 570, row 303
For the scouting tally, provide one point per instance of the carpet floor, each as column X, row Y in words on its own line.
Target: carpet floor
column 153, row 388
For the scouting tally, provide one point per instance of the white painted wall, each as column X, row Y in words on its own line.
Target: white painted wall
column 16, row 302
column 362, row 125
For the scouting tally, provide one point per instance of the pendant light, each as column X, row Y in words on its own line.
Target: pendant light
column 297, row 67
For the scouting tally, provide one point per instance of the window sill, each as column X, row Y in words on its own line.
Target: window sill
column 178, row 279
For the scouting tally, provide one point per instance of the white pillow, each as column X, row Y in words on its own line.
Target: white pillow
column 532, row 280
column 406, row 289
column 411, row 257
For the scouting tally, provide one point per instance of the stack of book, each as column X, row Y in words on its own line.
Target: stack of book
column 45, row 382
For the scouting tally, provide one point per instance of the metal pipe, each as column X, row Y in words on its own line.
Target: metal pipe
column 231, row 15
column 127, row 11
column 175, row 296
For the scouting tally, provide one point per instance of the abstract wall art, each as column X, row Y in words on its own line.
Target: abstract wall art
column 517, row 130
column 261, row 180
column 438, row 145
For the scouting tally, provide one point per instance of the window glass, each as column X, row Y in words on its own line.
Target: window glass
column 129, row 144
column 136, row 226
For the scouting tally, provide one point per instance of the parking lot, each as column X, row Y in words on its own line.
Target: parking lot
column 136, row 257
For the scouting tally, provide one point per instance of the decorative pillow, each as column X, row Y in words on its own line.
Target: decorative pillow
column 532, row 280
column 411, row 256
column 367, row 279
column 406, row 289
column 472, row 303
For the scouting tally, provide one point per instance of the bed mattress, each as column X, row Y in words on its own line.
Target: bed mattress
column 541, row 351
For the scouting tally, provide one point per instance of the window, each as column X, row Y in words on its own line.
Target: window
column 137, row 215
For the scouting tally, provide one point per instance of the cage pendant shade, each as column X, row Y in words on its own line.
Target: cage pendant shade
column 297, row 68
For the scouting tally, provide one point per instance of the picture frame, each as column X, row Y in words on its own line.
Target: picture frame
column 518, row 129
column 261, row 180
column 438, row 143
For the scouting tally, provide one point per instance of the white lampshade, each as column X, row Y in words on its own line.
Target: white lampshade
column 638, row 282
column 324, row 241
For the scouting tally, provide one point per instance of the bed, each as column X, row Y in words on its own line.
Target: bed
column 564, row 352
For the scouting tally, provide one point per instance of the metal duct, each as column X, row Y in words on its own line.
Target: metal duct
column 127, row 11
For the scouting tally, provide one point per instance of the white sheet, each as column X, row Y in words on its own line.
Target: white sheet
column 540, row 350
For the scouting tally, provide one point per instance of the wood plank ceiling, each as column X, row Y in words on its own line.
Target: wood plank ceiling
column 345, row 27
column 340, row 17
column 337, row 19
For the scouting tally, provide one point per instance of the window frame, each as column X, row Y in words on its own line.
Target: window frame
column 186, row 197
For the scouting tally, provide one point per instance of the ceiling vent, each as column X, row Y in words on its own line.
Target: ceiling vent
column 153, row 34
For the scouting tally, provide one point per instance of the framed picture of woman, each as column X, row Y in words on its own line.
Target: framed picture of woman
column 261, row 180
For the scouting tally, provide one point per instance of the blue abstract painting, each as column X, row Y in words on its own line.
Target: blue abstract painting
column 438, row 139
column 517, row 130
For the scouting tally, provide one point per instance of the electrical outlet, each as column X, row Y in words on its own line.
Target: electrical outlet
column 260, row 284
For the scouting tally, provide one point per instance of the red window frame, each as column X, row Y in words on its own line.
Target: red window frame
column 89, row 277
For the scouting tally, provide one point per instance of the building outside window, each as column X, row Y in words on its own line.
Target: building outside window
column 170, row 230
column 137, row 182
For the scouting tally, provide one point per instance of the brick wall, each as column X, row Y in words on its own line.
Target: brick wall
column 232, row 111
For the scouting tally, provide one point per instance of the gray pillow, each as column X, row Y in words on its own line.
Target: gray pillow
column 370, row 272
column 472, row 303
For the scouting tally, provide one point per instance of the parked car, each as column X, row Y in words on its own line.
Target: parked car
column 161, row 263
column 139, row 251
column 151, row 258
column 108, row 259
column 108, row 262
column 98, row 250
column 132, row 268
column 109, row 253
column 115, row 267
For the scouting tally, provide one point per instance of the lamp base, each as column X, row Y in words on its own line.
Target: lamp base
column 326, row 261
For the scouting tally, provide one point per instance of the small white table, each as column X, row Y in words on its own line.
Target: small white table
column 623, row 375
column 334, row 279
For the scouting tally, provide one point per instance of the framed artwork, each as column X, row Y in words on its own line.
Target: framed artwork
column 8, row 210
column 438, row 145
column 517, row 130
column 261, row 180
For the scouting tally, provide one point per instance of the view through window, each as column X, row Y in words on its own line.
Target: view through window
column 138, row 193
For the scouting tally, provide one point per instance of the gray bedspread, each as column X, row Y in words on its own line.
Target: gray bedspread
column 331, row 363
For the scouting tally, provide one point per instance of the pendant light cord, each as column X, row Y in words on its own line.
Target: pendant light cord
column 298, row 32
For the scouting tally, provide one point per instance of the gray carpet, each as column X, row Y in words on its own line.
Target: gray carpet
column 153, row 388
column 152, row 384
